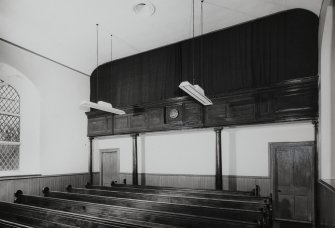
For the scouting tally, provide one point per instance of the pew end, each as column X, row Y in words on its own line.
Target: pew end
column 88, row 185
column 18, row 196
column 69, row 188
column 256, row 191
column 46, row 191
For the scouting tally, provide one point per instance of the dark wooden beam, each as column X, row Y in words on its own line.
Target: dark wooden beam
column 218, row 159
column 91, row 160
column 135, row 161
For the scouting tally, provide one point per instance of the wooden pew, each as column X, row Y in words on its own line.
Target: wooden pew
column 16, row 217
column 220, row 203
column 255, row 214
column 223, row 195
column 170, row 195
column 155, row 218
column 9, row 224
column 43, row 217
column 253, row 192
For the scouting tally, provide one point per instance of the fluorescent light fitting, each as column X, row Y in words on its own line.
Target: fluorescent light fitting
column 103, row 106
column 196, row 92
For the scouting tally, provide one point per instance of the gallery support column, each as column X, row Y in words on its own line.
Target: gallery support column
column 218, row 159
column 135, row 161
column 316, row 212
column 91, row 160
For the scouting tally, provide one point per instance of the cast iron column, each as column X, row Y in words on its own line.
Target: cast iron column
column 135, row 169
column 218, row 162
column 316, row 173
column 91, row 160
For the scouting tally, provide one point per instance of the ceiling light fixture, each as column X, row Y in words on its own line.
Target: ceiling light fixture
column 144, row 8
column 195, row 91
column 101, row 105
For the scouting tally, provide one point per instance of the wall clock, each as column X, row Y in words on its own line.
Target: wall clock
column 173, row 113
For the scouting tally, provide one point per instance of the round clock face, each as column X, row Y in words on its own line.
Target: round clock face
column 174, row 113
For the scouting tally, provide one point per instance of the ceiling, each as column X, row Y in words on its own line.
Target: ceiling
column 65, row 30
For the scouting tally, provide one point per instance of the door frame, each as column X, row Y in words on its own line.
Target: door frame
column 110, row 150
column 272, row 146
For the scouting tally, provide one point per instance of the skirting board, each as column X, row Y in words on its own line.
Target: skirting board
column 33, row 185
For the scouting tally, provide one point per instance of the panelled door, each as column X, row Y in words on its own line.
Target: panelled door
column 292, row 180
column 110, row 166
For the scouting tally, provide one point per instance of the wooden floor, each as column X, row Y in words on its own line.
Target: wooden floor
column 137, row 206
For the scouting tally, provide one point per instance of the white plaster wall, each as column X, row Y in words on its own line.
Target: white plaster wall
column 63, row 145
column 29, row 120
column 184, row 152
column 244, row 149
column 327, row 107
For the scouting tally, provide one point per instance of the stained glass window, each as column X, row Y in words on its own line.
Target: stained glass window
column 9, row 128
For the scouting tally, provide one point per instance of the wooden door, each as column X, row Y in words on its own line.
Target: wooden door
column 110, row 167
column 292, row 180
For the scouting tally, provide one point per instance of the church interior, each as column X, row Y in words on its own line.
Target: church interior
column 179, row 113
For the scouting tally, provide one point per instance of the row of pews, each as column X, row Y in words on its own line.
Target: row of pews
column 137, row 206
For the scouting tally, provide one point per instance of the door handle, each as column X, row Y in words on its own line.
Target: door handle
column 278, row 190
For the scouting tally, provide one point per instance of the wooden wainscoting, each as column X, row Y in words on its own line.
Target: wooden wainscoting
column 33, row 185
column 327, row 203
column 240, row 183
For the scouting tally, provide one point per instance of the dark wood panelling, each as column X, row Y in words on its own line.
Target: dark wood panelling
column 121, row 124
column 97, row 125
column 254, row 54
column 139, row 122
column 286, row 101
column 239, row 183
column 326, row 204
column 216, row 114
column 242, row 110
column 100, row 125
column 193, row 114
column 33, row 185
column 156, row 118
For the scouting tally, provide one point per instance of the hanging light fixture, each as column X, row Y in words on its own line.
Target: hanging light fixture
column 101, row 105
column 193, row 90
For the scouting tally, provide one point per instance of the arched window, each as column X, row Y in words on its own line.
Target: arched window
column 9, row 128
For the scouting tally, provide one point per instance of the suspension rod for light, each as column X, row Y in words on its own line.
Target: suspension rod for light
column 195, row 91
column 101, row 105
